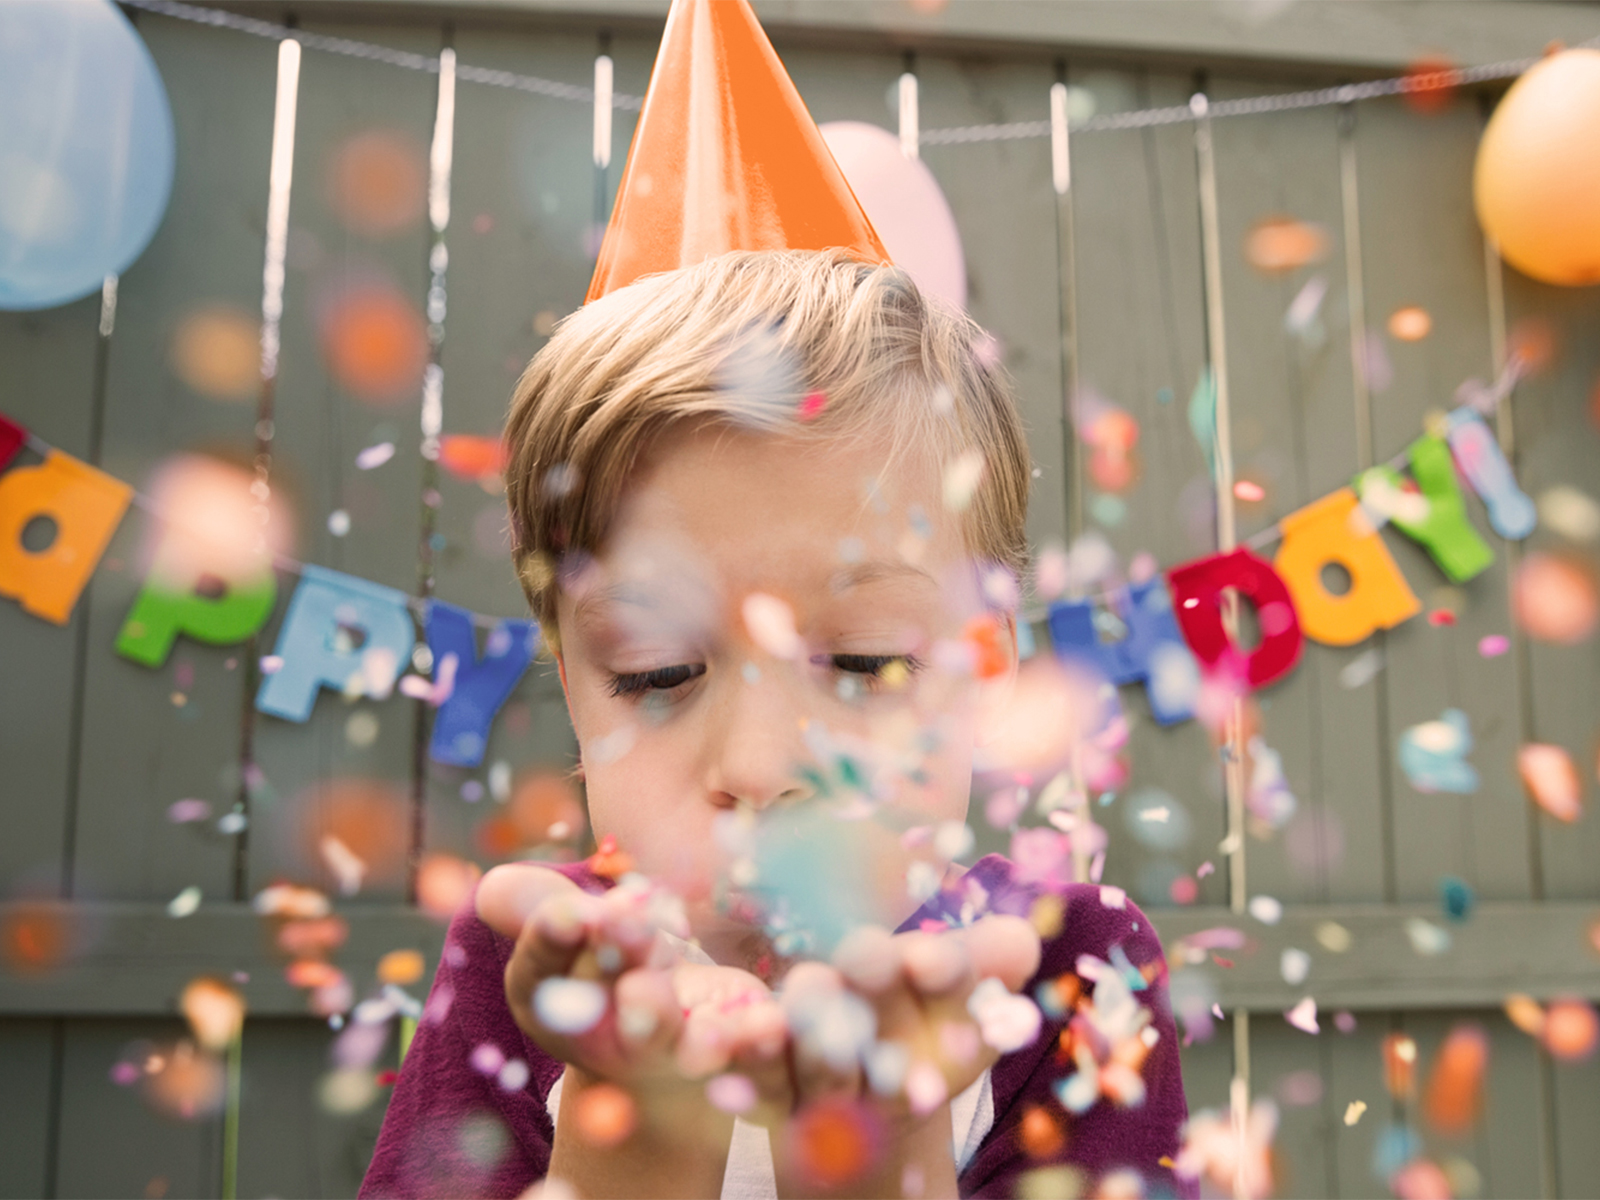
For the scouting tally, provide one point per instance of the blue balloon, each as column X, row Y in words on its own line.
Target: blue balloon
column 86, row 149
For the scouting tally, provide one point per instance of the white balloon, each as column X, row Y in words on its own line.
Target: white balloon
column 903, row 201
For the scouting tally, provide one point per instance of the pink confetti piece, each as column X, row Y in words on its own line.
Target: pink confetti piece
column 271, row 664
column 1493, row 645
column 181, row 812
column 1303, row 1016
column 1006, row 1021
column 487, row 1059
column 731, row 1093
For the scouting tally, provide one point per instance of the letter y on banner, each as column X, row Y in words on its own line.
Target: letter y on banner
column 461, row 726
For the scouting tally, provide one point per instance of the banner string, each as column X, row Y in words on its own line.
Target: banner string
column 1482, row 400
column 1177, row 114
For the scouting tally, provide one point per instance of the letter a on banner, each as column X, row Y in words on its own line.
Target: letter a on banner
column 340, row 632
column 1336, row 529
column 85, row 505
column 1153, row 652
column 1441, row 523
column 1197, row 601
column 461, row 726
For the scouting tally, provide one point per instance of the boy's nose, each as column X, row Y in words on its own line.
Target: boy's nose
column 756, row 747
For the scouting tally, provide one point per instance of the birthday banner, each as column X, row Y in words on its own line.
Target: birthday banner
column 353, row 636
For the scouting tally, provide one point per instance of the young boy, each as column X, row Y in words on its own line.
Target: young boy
column 745, row 510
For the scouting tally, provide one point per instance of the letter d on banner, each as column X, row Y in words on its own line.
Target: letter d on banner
column 86, row 506
column 1197, row 602
column 340, row 632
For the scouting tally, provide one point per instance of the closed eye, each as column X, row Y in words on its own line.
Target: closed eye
column 870, row 664
column 662, row 679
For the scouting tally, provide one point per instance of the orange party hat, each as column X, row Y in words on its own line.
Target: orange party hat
column 725, row 157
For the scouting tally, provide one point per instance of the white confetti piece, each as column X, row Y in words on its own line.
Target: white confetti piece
column 339, row 522
column 1353, row 1111
column 513, row 1077
column 1006, row 1021
column 1266, row 909
column 1427, row 939
column 1113, row 897
column 1294, row 965
column 962, row 475
column 375, row 456
column 570, row 1006
column 185, row 903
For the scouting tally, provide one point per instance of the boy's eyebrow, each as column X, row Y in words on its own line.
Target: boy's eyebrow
column 876, row 571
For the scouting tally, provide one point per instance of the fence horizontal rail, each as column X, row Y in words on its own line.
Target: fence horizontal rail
column 135, row 959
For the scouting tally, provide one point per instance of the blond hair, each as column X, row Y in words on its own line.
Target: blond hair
column 805, row 343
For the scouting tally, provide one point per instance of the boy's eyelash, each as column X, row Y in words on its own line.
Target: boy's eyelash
column 662, row 679
column 665, row 679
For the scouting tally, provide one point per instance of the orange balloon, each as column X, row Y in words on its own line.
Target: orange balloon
column 725, row 157
column 1537, row 180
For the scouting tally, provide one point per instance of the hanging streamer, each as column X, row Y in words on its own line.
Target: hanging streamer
column 482, row 685
column 340, row 632
column 1197, row 589
column 1335, row 529
column 1152, row 653
column 84, row 504
column 1480, row 459
column 1440, row 521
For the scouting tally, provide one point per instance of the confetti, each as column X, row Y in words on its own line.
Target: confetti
column 339, row 522
column 214, row 1010
column 1493, row 645
column 375, row 342
column 731, row 1093
column 444, row 883
column 1410, row 324
column 569, row 1006
column 1433, row 755
column 375, row 456
column 1353, row 1111
column 1551, row 780
column 1303, row 1016
column 1454, row 1095
column 1041, row 1134
column 1427, row 939
column 1361, row 669
column 182, row 812
column 962, row 475
column 1400, row 1065
column 770, row 624
column 185, row 903
column 377, row 182
column 487, row 1059
column 1007, row 1022
column 1249, row 491
column 1571, row 1029
column 347, row 1090
column 1553, row 598
column 1333, row 937
column 925, row 1087
column 1266, row 909
column 1294, row 965
column 1303, row 309
column 834, row 1141
column 1283, row 244
column 217, row 352
column 513, row 1077
column 401, row 967
column 1571, row 513
column 606, row 1115
column 1456, row 897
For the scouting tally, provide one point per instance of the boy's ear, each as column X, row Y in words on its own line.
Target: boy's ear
column 994, row 692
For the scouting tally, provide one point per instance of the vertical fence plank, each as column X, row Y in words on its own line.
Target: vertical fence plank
column 1421, row 246
column 1141, row 346
column 27, row 1066
column 1295, row 436
column 284, row 1061
column 156, row 735
column 321, row 427
column 1352, row 1068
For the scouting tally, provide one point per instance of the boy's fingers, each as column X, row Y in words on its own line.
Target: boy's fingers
column 831, row 1024
column 935, row 963
column 549, row 945
column 869, row 957
column 1004, row 947
column 508, row 895
column 648, row 1016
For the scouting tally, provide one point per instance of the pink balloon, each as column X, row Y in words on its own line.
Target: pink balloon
column 903, row 201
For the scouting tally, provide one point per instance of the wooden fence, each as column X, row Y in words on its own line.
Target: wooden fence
column 94, row 748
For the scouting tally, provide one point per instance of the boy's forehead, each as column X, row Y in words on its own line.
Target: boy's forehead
column 738, row 508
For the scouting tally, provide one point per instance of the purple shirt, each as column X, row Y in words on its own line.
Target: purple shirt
column 453, row 1130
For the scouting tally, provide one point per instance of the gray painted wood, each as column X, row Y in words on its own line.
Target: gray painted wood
column 321, row 428
column 142, row 750
column 1288, row 1067
column 48, row 385
column 111, row 1142
column 1558, row 443
column 27, row 1105
column 1294, row 426
column 1421, row 246
column 284, row 1061
column 1576, row 1090
column 1141, row 346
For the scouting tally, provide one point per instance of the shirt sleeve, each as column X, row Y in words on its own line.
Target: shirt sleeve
column 468, row 1115
column 1032, row 1128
